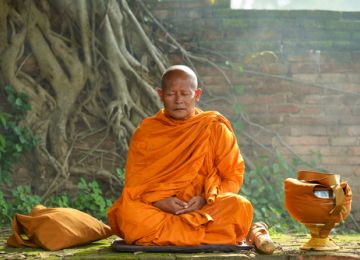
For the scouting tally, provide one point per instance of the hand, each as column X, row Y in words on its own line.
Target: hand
column 195, row 203
column 171, row 205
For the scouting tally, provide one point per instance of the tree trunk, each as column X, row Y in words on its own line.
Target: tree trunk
column 87, row 89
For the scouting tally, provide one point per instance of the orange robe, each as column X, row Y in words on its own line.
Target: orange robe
column 197, row 156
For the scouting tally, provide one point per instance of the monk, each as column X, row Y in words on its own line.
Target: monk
column 183, row 173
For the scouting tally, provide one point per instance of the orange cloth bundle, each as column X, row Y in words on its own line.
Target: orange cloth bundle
column 56, row 228
column 303, row 204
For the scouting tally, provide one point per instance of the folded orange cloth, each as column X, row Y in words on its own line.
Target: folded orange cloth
column 56, row 228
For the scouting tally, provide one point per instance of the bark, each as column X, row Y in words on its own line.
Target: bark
column 87, row 88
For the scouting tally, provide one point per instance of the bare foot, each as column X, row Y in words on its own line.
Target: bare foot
column 259, row 235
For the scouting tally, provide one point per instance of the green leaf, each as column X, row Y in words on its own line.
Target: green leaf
column 238, row 126
column 18, row 148
column 9, row 90
column 237, row 108
column 2, row 144
column 241, row 70
column 239, row 89
column 276, row 168
column 4, row 117
column 19, row 102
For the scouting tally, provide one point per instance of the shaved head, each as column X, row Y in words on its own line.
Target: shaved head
column 178, row 71
column 179, row 92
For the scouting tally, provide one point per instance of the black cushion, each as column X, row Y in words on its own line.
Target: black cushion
column 120, row 246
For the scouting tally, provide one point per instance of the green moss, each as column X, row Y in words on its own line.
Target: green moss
column 236, row 23
column 343, row 25
column 347, row 45
column 221, row 3
column 341, row 56
column 101, row 250
column 351, row 15
column 355, row 35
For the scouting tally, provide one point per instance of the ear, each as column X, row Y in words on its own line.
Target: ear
column 198, row 92
column 160, row 93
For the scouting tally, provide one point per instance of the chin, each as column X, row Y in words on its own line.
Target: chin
column 179, row 117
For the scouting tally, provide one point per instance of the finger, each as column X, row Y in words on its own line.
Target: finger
column 189, row 209
column 181, row 203
column 191, row 203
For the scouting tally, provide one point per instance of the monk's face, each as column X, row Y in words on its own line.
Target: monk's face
column 179, row 95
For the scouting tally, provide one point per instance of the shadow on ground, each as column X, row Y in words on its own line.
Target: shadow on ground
column 287, row 248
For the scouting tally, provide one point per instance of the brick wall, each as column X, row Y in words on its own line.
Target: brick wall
column 308, row 92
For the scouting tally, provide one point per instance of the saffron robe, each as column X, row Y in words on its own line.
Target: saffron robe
column 197, row 156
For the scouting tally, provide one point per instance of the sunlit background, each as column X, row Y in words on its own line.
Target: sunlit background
column 335, row 5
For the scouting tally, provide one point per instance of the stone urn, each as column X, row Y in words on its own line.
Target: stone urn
column 319, row 201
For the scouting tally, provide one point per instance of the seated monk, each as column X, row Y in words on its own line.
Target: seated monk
column 183, row 173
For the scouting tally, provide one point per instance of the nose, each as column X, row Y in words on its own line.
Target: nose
column 178, row 98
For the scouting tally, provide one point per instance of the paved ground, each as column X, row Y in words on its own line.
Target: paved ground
column 287, row 248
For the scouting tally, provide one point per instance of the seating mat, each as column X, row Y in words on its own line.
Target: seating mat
column 120, row 246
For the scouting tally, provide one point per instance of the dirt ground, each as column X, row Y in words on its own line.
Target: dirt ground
column 287, row 248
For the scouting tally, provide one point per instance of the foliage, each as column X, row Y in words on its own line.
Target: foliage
column 264, row 188
column 88, row 199
column 21, row 201
column 14, row 138
column 120, row 174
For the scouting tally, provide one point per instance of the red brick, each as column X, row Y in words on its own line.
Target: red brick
column 161, row 14
column 167, row 5
column 306, row 58
column 284, row 109
column 357, row 172
column 332, row 99
column 274, row 69
column 256, row 109
column 353, row 77
column 272, row 99
column 339, row 159
column 305, row 77
column 308, row 130
column 332, row 78
column 347, row 120
column 350, row 100
column 298, row 68
column 323, row 150
column 337, row 109
column 266, row 88
column 313, row 99
column 335, row 67
column 311, row 110
column 350, row 87
column 301, row 149
column 355, row 151
column 267, row 119
column 304, row 89
column 345, row 171
column 356, row 110
column 335, row 131
column 342, row 141
column 213, row 35
column 306, row 140
column 307, row 120
column 213, row 79
column 282, row 129
column 217, row 88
